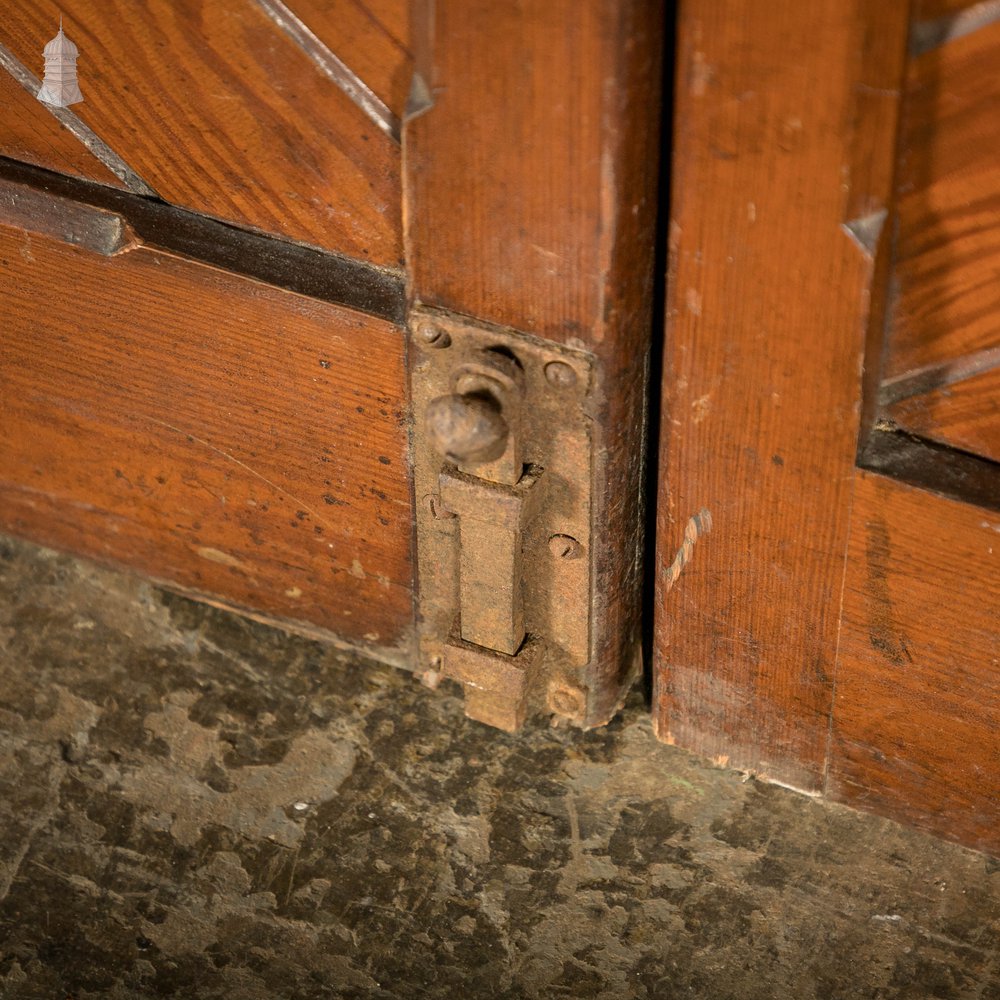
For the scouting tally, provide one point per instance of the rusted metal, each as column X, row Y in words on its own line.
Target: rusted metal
column 498, row 687
column 430, row 334
column 504, row 553
column 467, row 428
column 492, row 520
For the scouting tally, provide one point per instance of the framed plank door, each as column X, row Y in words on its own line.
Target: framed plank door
column 828, row 570
column 210, row 269
column 531, row 154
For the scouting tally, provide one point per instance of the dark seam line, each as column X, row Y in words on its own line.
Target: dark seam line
column 295, row 267
column 930, row 465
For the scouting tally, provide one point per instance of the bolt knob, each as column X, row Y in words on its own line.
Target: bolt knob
column 468, row 428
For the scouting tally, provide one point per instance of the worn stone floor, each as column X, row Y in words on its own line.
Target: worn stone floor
column 193, row 805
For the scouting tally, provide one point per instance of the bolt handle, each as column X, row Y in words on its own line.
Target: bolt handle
column 468, row 428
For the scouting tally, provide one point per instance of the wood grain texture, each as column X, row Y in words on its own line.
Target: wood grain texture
column 947, row 302
column 29, row 133
column 768, row 301
column 222, row 113
column 530, row 202
column 916, row 731
column 212, row 432
column 965, row 415
column 372, row 37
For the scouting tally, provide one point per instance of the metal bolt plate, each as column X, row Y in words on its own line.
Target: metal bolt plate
column 554, row 436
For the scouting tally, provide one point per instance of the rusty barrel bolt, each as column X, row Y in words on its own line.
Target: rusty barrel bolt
column 565, row 547
column 467, row 428
column 430, row 334
column 560, row 375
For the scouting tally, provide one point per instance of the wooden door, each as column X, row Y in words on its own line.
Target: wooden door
column 828, row 568
column 207, row 270
column 202, row 363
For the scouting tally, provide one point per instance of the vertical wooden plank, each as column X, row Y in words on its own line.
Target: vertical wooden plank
column 782, row 139
column 530, row 163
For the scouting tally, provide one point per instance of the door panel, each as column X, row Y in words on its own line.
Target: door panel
column 223, row 436
column 819, row 624
column 220, row 110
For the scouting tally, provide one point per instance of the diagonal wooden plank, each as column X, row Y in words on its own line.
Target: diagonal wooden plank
column 29, row 132
column 222, row 113
column 332, row 66
column 373, row 37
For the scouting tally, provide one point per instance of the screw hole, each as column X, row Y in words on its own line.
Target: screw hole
column 565, row 547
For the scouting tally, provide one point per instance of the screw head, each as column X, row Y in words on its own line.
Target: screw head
column 430, row 334
column 566, row 700
column 560, row 375
column 565, row 547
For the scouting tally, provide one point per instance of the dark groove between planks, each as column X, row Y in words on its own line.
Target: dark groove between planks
column 928, row 465
column 305, row 270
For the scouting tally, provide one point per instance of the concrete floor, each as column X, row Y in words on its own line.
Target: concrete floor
column 193, row 805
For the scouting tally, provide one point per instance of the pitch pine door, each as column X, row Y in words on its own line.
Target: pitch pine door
column 828, row 576
column 224, row 276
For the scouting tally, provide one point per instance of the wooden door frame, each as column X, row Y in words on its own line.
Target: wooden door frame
column 531, row 163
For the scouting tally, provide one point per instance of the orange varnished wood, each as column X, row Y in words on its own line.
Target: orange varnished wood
column 767, row 307
column 536, row 142
column 916, row 729
column 965, row 415
column 530, row 201
column 28, row 132
column 932, row 10
column 835, row 629
column 373, row 39
column 947, row 303
column 219, row 111
column 212, row 432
